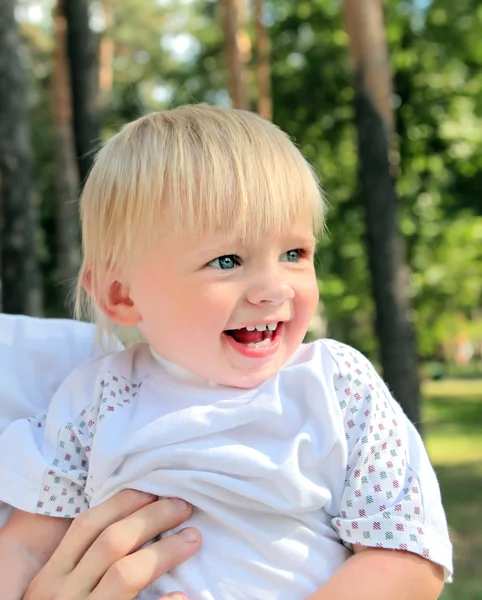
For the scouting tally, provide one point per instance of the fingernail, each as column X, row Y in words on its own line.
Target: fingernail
column 189, row 535
column 181, row 504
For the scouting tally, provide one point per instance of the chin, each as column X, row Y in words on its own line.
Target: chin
column 252, row 380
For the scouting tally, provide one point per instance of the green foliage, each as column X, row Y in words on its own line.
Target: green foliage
column 169, row 53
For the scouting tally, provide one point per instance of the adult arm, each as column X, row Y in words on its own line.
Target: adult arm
column 26, row 542
column 97, row 558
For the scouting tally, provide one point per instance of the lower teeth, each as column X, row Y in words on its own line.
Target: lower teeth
column 265, row 342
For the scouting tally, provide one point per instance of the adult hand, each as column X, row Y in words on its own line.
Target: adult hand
column 97, row 559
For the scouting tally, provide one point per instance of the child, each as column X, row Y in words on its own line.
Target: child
column 199, row 228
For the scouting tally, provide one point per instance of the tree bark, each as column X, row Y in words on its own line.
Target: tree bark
column 84, row 77
column 389, row 273
column 236, row 44
column 106, row 56
column 21, row 282
column 263, row 69
column 67, row 175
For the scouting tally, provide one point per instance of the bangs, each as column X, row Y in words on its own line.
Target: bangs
column 243, row 176
column 196, row 169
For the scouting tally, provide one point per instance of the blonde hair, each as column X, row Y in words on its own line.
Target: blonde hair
column 205, row 167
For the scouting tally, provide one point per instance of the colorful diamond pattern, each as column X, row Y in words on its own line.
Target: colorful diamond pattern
column 381, row 504
column 65, row 491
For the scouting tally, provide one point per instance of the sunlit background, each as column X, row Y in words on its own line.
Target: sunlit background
column 152, row 55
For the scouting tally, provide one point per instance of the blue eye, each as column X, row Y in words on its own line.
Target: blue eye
column 292, row 256
column 226, row 263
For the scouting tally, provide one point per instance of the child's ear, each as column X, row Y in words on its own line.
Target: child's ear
column 119, row 306
column 113, row 299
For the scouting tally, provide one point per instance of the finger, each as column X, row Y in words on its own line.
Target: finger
column 87, row 528
column 122, row 538
column 131, row 574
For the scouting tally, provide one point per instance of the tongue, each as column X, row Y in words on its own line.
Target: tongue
column 243, row 336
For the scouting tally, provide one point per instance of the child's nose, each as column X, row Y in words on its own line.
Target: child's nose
column 270, row 290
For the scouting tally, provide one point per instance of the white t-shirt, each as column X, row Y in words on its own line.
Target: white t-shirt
column 284, row 477
column 36, row 355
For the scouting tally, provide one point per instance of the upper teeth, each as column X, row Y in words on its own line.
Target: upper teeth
column 263, row 327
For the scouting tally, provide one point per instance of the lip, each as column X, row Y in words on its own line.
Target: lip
column 260, row 352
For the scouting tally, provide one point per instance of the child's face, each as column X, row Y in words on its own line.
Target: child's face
column 198, row 298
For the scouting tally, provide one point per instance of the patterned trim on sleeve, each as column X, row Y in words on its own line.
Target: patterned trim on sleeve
column 67, row 485
column 63, row 492
column 382, row 504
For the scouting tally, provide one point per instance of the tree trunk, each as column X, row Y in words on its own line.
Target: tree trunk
column 106, row 55
column 67, row 175
column 84, row 77
column 236, row 43
column 263, row 70
column 389, row 273
column 21, row 282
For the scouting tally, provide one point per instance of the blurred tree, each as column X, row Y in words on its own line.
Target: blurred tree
column 136, row 68
column 389, row 275
column 262, row 67
column 82, row 47
column 236, row 50
column 437, row 57
column 67, row 175
column 106, row 55
column 20, row 275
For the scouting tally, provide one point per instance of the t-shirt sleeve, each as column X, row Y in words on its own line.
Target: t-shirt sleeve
column 391, row 497
column 44, row 461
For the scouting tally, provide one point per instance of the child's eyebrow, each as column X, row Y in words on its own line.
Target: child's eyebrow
column 303, row 239
column 219, row 245
column 216, row 250
column 233, row 246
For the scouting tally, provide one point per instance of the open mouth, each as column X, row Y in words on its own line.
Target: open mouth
column 258, row 336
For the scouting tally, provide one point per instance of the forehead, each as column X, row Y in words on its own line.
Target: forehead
column 300, row 230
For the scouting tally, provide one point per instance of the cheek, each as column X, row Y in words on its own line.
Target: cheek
column 309, row 296
column 217, row 302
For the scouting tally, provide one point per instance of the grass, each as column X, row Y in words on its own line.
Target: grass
column 452, row 412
